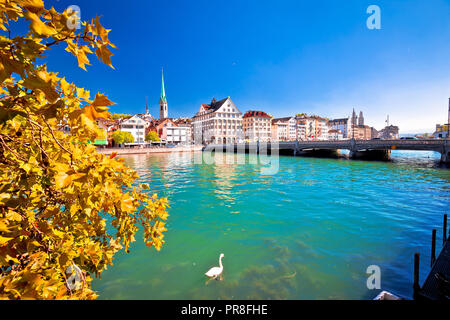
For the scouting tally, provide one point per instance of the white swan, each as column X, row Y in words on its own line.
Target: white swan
column 216, row 271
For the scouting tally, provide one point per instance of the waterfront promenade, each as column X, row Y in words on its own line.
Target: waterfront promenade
column 138, row 150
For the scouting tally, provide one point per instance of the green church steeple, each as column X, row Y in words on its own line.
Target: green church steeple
column 163, row 91
column 163, row 112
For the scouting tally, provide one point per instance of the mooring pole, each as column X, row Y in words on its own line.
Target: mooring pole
column 445, row 229
column 416, row 286
column 433, row 247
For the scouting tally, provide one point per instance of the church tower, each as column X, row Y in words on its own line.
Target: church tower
column 361, row 119
column 354, row 118
column 163, row 112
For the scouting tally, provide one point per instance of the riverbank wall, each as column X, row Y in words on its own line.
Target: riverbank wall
column 125, row 151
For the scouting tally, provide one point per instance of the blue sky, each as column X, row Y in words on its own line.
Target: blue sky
column 282, row 57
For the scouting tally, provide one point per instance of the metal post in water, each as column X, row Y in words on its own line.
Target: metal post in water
column 445, row 229
column 433, row 247
column 416, row 285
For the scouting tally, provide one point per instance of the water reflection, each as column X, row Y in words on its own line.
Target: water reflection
column 308, row 232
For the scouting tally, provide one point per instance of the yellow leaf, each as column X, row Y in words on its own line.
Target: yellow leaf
column 88, row 123
column 77, row 176
column 83, row 94
column 61, row 167
column 104, row 55
column 3, row 226
column 93, row 112
column 9, row 258
column 4, row 197
column 38, row 26
column 66, row 87
column 4, row 240
column 82, row 59
column 13, row 216
column 100, row 30
column 126, row 204
column 26, row 167
column 102, row 101
column 9, row 66
column 62, row 180
column 42, row 81
column 33, row 5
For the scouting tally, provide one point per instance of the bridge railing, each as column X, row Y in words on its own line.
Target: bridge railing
column 403, row 142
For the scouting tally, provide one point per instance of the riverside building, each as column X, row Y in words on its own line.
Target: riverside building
column 136, row 126
column 257, row 126
column 344, row 125
column 335, row 134
column 353, row 127
column 218, row 122
column 280, row 130
column 360, row 131
column 171, row 131
column 286, row 128
column 441, row 131
column 311, row 128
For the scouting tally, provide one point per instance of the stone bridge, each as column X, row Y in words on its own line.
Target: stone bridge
column 357, row 148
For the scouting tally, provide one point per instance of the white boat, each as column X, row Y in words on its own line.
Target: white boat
column 384, row 295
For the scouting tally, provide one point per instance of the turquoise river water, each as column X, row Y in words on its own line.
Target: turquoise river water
column 307, row 232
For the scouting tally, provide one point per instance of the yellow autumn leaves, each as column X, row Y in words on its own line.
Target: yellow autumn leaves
column 39, row 27
column 50, row 24
column 61, row 203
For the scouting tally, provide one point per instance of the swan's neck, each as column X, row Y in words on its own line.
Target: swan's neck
column 220, row 263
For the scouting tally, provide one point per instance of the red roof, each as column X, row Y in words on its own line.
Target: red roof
column 262, row 114
column 317, row 117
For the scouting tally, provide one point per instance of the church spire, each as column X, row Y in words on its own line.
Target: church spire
column 146, row 105
column 163, row 112
column 361, row 119
column 163, row 91
column 354, row 117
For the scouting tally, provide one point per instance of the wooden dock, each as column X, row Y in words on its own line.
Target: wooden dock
column 434, row 288
column 437, row 284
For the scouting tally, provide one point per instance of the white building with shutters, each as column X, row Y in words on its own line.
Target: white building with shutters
column 136, row 126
